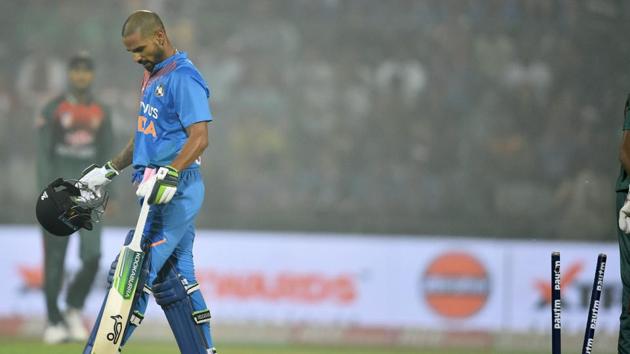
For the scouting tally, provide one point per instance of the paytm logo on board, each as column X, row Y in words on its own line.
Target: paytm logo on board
column 576, row 287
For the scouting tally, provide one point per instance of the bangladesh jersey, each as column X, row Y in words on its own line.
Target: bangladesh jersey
column 624, row 180
column 70, row 136
column 174, row 96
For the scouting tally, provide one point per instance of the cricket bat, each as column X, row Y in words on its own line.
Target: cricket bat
column 120, row 297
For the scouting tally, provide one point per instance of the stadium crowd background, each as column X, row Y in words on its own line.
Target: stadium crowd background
column 496, row 118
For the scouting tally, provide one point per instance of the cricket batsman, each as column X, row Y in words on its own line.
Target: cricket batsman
column 171, row 133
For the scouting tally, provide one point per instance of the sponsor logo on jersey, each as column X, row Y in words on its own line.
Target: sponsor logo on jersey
column 146, row 125
column 148, row 110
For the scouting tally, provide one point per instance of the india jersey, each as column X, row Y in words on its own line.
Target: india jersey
column 174, row 96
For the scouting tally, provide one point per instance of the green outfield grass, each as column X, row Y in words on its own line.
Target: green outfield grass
column 12, row 346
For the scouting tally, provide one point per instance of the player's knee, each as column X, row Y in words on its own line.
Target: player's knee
column 174, row 291
column 168, row 290
column 174, row 288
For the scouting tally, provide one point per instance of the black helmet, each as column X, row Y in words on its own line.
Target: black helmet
column 65, row 206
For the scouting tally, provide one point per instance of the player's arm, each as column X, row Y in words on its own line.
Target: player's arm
column 190, row 101
column 99, row 176
column 125, row 157
column 195, row 145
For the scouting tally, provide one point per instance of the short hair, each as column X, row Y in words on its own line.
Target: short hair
column 144, row 21
column 81, row 60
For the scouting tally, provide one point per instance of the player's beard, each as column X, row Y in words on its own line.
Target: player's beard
column 159, row 57
column 148, row 66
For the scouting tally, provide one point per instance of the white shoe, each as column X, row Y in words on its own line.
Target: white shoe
column 55, row 334
column 76, row 328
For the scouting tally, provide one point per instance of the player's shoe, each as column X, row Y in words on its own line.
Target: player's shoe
column 76, row 329
column 56, row 333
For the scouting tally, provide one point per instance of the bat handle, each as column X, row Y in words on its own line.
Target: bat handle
column 142, row 220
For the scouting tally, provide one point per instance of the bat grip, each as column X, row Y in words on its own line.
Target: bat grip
column 142, row 220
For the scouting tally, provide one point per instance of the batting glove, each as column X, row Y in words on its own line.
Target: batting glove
column 624, row 217
column 97, row 177
column 164, row 185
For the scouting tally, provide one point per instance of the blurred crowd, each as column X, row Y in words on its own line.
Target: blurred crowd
column 496, row 118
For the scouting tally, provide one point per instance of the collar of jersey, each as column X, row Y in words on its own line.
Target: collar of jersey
column 168, row 60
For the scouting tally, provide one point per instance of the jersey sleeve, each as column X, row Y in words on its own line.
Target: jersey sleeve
column 190, row 98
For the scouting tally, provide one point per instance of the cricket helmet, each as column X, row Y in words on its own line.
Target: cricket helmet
column 65, row 206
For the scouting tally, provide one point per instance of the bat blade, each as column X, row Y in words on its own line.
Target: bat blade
column 120, row 296
column 119, row 302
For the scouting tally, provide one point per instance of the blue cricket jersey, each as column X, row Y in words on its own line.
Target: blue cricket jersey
column 174, row 96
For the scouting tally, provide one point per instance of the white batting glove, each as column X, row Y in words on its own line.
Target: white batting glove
column 624, row 217
column 144, row 188
column 87, row 195
column 96, row 177
column 161, row 187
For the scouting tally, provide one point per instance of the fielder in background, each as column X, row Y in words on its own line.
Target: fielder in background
column 73, row 130
column 171, row 132
column 623, row 231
